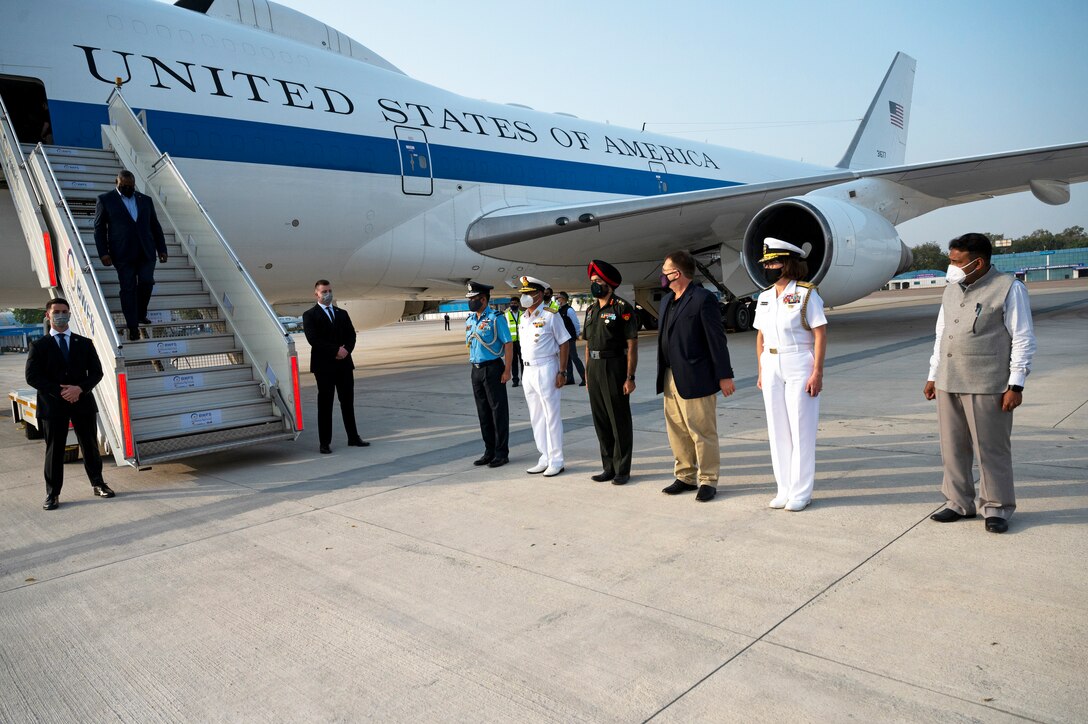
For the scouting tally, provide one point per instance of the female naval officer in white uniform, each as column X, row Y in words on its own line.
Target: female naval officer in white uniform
column 790, row 345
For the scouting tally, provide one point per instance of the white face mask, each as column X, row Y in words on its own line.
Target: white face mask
column 955, row 274
column 526, row 300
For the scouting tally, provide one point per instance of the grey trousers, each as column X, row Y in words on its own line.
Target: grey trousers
column 975, row 426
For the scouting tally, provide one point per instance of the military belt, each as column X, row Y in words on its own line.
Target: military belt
column 606, row 353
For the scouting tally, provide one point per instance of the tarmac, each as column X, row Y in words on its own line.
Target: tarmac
column 400, row 583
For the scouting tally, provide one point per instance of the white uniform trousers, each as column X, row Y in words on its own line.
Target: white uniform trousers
column 792, row 417
column 544, row 401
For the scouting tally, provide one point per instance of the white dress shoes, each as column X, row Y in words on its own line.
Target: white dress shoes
column 796, row 505
column 552, row 471
column 538, row 468
column 777, row 503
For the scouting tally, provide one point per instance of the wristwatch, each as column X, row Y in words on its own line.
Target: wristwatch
column 630, row 378
column 1016, row 388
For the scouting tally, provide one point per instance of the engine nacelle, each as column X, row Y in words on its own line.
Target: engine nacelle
column 854, row 251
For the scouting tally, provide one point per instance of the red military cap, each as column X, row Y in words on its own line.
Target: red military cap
column 607, row 272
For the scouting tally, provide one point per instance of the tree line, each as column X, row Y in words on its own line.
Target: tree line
column 933, row 255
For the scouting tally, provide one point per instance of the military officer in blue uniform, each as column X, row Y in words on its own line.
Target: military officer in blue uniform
column 487, row 336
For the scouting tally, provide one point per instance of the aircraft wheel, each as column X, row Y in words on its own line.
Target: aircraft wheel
column 738, row 316
column 32, row 433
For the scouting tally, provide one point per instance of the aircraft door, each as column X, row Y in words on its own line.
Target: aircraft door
column 660, row 177
column 415, row 161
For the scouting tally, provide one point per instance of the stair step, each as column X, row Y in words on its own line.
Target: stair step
column 166, row 302
column 269, row 429
column 112, row 287
column 219, row 417
column 150, row 370
column 66, row 152
column 140, row 387
column 197, row 346
column 178, row 401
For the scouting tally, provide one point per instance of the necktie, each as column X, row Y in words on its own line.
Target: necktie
column 62, row 339
column 329, row 311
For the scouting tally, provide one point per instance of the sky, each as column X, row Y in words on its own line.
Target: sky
column 785, row 78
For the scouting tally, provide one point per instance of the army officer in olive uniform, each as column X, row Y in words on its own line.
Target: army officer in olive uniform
column 611, row 335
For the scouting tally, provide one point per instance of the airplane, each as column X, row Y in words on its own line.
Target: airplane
column 318, row 158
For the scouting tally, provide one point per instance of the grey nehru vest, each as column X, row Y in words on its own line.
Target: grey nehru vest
column 976, row 347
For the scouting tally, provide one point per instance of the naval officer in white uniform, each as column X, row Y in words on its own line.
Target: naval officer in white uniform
column 790, row 346
column 543, row 338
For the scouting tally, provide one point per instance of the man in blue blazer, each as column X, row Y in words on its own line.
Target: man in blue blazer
column 692, row 367
column 129, row 238
column 64, row 368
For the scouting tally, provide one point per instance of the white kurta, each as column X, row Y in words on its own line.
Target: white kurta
column 786, row 365
column 541, row 333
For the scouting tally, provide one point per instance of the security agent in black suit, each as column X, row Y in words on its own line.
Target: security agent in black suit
column 332, row 338
column 64, row 368
column 130, row 244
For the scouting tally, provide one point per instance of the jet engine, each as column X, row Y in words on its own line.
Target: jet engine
column 853, row 251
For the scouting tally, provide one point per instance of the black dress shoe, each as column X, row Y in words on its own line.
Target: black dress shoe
column 50, row 503
column 102, row 490
column 949, row 516
column 325, row 449
column 498, row 462
column 145, row 320
column 483, row 459
column 677, row 487
column 133, row 334
column 358, row 442
column 603, row 477
column 621, row 479
column 996, row 525
column 582, row 383
column 706, row 492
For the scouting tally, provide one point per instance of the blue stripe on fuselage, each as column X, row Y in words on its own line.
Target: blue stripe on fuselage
column 211, row 138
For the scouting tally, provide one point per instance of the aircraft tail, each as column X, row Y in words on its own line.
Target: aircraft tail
column 881, row 139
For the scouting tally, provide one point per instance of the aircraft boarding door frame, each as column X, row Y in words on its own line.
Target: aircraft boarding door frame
column 415, row 161
column 661, row 174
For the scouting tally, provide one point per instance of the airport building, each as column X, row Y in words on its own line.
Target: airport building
column 1028, row 266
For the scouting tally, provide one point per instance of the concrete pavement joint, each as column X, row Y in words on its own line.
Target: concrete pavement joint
column 791, row 614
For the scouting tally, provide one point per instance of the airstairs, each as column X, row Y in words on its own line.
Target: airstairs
column 215, row 369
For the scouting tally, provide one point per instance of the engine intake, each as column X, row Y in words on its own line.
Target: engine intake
column 853, row 251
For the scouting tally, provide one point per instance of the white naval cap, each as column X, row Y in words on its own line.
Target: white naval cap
column 531, row 284
column 777, row 249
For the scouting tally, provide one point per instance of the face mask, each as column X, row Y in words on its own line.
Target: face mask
column 475, row 304
column 771, row 275
column 955, row 274
column 665, row 281
column 127, row 191
column 326, row 298
column 514, row 308
column 60, row 320
column 526, row 300
column 598, row 290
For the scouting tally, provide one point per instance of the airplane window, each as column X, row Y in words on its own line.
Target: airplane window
column 249, row 49
column 422, row 163
column 208, row 40
column 229, row 45
column 115, row 22
column 139, row 27
column 163, row 31
column 268, row 53
column 185, row 35
column 286, row 57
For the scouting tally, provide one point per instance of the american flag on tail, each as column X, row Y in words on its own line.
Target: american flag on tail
column 897, row 114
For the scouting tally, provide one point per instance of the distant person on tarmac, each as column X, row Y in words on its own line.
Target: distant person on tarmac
column 446, row 319
column 129, row 238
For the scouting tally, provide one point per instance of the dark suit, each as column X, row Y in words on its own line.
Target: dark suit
column 132, row 245
column 695, row 339
column 692, row 358
column 46, row 371
column 333, row 376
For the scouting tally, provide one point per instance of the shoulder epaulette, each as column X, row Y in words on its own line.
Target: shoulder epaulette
column 806, row 285
column 549, row 309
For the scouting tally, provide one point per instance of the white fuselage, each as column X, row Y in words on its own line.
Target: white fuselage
column 309, row 162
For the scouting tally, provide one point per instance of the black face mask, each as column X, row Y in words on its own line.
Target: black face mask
column 127, row 191
column 772, row 275
column 475, row 304
column 598, row 290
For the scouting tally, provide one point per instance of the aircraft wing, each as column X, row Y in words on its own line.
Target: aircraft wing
column 644, row 229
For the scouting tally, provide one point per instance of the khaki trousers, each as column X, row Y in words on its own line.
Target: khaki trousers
column 692, row 426
column 975, row 425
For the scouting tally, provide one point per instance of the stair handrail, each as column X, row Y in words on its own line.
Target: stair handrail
column 266, row 344
column 13, row 163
